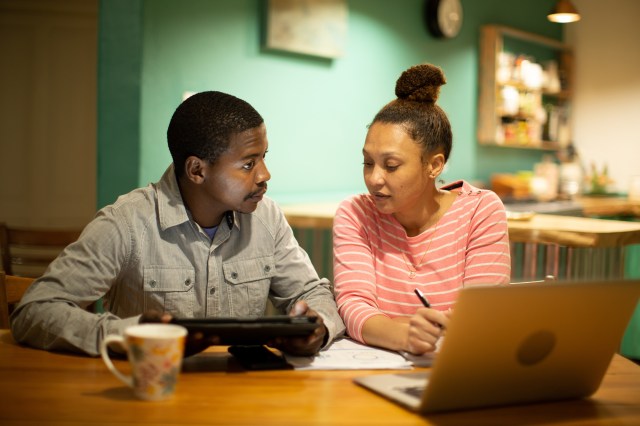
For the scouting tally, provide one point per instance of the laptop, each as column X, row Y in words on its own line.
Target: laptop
column 519, row 344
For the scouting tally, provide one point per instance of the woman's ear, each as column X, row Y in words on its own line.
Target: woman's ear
column 194, row 169
column 437, row 163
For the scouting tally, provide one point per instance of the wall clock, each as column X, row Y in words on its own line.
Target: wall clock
column 443, row 17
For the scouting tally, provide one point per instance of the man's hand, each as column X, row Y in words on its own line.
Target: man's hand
column 195, row 342
column 303, row 346
column 155, row 316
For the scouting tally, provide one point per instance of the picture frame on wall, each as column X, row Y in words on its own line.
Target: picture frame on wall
column 308, row 27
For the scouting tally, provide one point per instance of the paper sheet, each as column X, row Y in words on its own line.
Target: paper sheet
column 424, row 360
column 346, row 354
column 420, row 360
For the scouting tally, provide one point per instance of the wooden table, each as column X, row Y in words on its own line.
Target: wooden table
column 38, row 387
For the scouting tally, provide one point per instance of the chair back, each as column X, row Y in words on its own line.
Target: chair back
column 12, row 289
column 28, row 251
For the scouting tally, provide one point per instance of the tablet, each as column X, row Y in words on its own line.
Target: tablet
column 250, row 330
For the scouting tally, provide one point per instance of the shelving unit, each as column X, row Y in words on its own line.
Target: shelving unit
column 523, row 104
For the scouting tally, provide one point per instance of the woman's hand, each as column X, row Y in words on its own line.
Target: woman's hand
column 426, row 327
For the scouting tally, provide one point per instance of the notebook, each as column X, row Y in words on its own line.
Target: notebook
column 519, row 344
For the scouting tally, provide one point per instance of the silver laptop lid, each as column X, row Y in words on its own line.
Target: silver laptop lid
column 520, row 344
column 529, row 343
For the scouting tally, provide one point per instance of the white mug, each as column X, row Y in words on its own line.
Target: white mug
column 155, row 352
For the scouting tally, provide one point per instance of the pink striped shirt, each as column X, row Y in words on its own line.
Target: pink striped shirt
column 468, row 246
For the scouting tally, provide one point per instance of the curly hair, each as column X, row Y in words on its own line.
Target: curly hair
column 203, row 124
column 415, row 108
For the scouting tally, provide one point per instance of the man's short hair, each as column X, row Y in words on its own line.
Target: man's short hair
column 203, row 125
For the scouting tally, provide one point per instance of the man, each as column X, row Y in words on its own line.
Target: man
column 202, row 242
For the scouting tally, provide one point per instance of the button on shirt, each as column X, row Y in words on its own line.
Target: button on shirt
column 145, row 252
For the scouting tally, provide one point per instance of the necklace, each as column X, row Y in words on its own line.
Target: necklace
column 413, row 269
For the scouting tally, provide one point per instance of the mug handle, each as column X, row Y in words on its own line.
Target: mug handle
column 104, row 351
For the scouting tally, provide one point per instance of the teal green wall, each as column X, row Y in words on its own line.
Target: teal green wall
column 630, row 346
column 316, row 110
column 119, row 76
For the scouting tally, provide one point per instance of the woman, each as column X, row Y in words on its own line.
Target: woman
column 407, row 233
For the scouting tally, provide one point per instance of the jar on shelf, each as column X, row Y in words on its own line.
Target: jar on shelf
column 551, row 77
column 505, row 69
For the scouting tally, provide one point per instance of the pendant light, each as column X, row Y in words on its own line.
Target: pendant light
column 564, row 12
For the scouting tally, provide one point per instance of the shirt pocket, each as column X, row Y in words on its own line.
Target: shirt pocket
column 169, row 289
column 248, row 282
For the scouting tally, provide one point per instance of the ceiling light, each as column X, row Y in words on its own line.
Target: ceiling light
column 564, row 12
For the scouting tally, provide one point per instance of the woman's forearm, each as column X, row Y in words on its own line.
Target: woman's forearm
column 387, row 333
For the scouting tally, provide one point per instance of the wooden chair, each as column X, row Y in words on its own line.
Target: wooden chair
column 28, row 251
column 11, row 290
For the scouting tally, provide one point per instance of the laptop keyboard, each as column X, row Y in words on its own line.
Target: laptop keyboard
column 415, row 391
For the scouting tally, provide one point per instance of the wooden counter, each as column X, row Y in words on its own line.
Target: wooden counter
column 567, row 247
column 568, row 231
column 574, row 231
column 321, row 214
column 311, row 215
column 609, row 206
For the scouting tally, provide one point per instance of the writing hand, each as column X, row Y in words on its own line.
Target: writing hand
column 426, row 326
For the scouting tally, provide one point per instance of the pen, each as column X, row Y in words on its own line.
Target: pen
column 425, row 302
column 423, row 299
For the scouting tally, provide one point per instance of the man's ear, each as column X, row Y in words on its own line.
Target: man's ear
column 194, row 169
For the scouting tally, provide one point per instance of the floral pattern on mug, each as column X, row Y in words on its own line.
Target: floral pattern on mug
column 157, row 367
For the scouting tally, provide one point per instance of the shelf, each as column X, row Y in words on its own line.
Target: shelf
column 523, row 88
column 509, row 109
column 540, row 146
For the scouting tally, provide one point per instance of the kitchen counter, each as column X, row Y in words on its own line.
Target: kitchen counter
column 581, row 206
column 574, row 231
column 558, row 207
column 609, row 206
column 567, row 247
column 320, row 215
column 540, row 228
column 588, row 247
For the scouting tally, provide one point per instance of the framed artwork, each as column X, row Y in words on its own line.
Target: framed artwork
column 310, row 27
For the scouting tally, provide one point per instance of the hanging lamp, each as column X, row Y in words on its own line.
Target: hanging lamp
column 564, row 12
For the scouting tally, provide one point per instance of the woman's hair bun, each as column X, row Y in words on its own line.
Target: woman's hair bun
column 420, row 83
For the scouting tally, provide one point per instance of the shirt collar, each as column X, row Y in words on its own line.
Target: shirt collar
column 171, row 208
column 463, row 187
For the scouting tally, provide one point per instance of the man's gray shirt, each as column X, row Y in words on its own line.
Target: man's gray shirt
column 145, row 252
